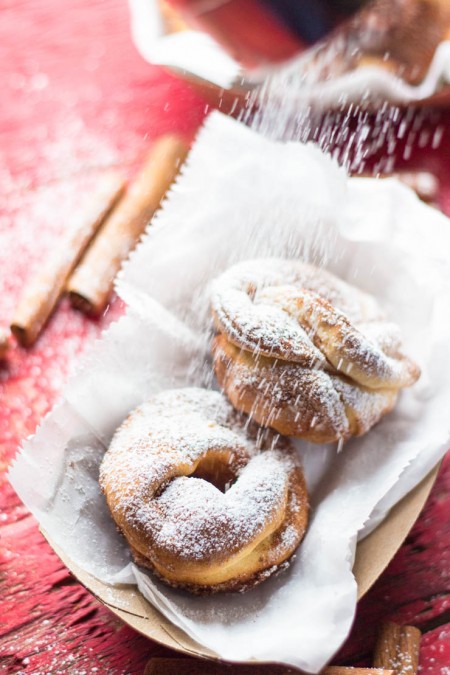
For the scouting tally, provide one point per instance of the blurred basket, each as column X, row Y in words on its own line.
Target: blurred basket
column 163, row 38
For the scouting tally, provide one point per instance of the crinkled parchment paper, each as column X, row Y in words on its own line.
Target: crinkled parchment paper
column 243, row 196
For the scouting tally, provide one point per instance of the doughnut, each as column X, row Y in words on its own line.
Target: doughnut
column 205, row 499
column 305, row 353
column 304, row 402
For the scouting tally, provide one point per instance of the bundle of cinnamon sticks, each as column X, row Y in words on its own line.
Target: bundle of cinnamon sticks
column 396, row 653
column 109, row 223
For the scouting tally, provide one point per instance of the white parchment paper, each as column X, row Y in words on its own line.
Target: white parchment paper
column 242, row 196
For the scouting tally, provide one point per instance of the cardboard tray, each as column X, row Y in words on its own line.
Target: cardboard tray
column 372, row 556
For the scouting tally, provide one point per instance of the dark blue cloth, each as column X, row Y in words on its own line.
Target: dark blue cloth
column 311, row 20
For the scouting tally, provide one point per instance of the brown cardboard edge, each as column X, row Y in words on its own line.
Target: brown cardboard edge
column 373, row 554
column 130, row 606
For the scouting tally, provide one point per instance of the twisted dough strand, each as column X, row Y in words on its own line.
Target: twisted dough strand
column 372, row 361
column 305, row 353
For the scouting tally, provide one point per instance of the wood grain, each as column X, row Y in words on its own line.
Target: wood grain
column 398, row 647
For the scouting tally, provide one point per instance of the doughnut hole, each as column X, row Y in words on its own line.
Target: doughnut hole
column 218, row 468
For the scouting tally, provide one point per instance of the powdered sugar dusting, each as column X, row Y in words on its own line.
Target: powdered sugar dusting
column 175, row 426
column 307, row 397
column 146, row 475
column 344, row 344
column 243, row 312
column 195, row 520
column 318, row 359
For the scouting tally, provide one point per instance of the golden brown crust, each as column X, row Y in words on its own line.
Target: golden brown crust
column 270, row 316
column 344, row 344
column 164, row 478
column 315, row 405
column 237, row 585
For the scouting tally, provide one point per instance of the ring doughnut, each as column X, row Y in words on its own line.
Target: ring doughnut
column 305, row 353
column 204, row 499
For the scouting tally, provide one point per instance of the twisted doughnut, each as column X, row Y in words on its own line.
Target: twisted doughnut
column 305, row 353
column 308, row 403
column 205, row 502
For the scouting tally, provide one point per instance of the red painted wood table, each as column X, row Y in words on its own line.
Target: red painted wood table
column 75, row 98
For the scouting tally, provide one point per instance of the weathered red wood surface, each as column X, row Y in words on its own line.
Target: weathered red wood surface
column 76, row 97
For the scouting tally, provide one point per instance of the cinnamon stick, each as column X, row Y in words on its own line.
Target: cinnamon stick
column 182, row 666
column 46, row 287
column 5, row 342
column 91, row 283
column 347, row 670
column 398, row 647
